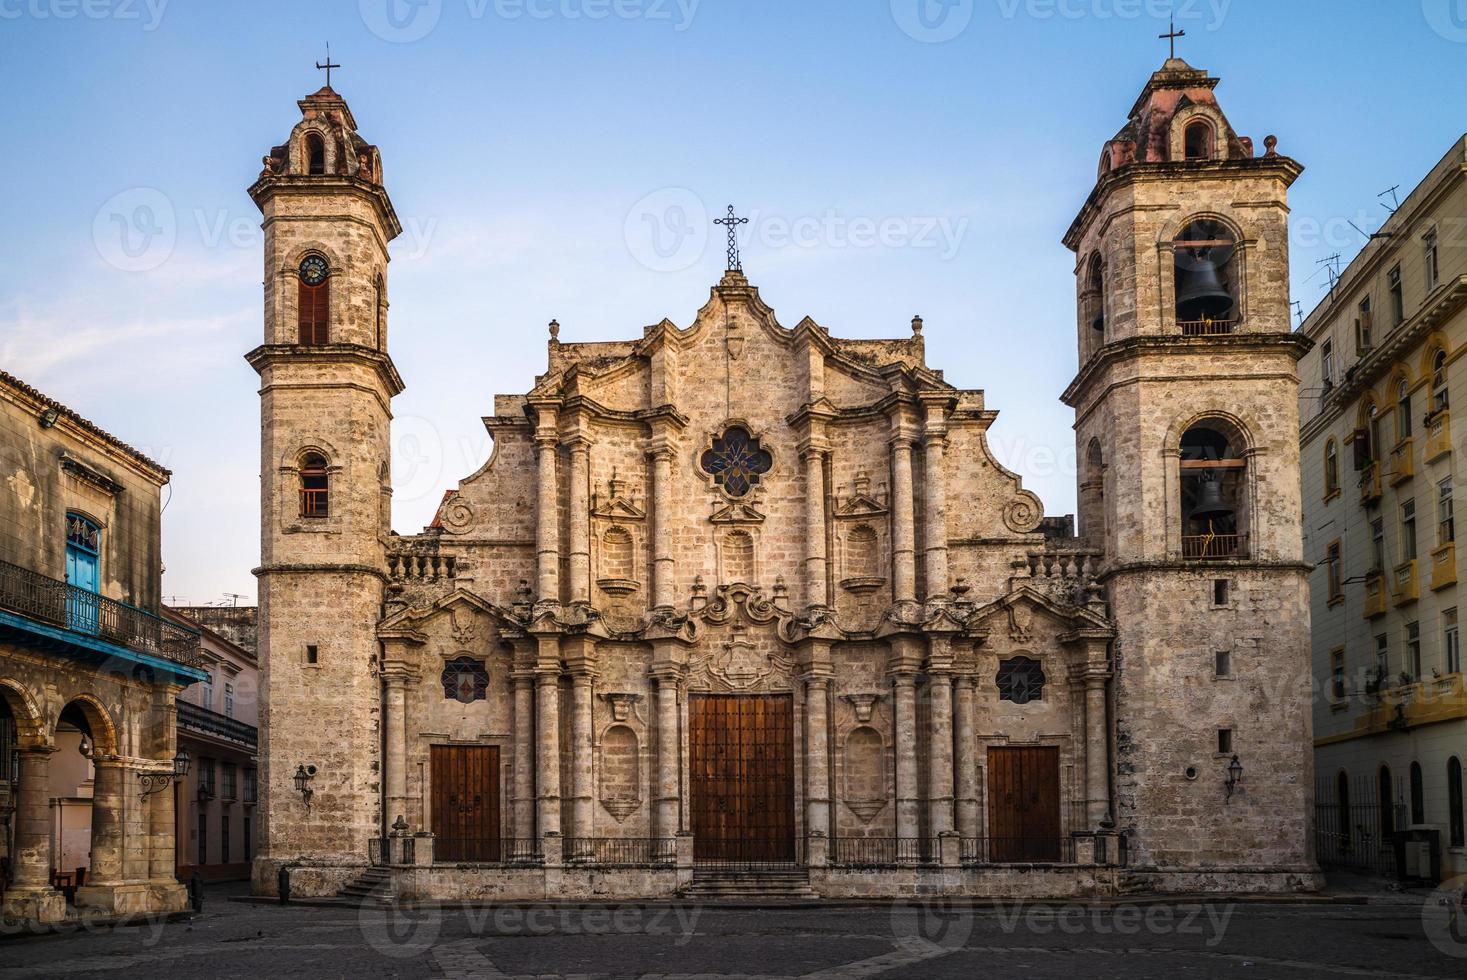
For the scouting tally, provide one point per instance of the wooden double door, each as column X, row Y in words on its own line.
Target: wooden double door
column 1023, row 803
column 466, row 802
column 741, row 762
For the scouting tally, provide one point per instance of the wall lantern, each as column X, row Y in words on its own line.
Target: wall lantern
column 1235, row 776
column 48, row 418
column 155, row 781
column 303, row 777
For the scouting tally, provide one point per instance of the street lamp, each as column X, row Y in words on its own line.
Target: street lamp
column 154, row 781
column 303, row 776
column 1235, row 776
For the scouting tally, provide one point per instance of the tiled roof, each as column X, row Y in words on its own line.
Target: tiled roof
column 96, row 430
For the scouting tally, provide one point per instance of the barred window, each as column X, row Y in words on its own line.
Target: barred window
column 465, row 680
column 1020, row 680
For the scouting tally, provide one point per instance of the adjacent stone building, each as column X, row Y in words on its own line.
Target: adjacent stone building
column 735, row 595
column 89, row 672
column 1380, row 468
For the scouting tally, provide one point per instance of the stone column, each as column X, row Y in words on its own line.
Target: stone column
column 394, row 724
column 668, row 752
column 582, row 744
column 815, row 576
column 940, row 747
column 162, row 854
column 662, row 519
column 106, row 861
column 31, row 860
column 547, row 509
column 904, row 707
column 547, row 744
column 934, row 444
column 903, row 516
column 965, row 727
column 523, row 683
column 578, row 530
column 817, row 754
column 1097, row 748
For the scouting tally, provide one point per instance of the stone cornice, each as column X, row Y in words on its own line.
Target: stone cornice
column 1173, row 345
column 268, row 354
column 316, row 185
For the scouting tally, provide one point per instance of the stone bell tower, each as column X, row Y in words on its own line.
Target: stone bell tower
column 1188, row 440
column 326, row 385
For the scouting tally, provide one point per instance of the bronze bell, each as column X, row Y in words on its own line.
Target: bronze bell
column 1203, row 296
column 1099, row 322
column 1210, row 505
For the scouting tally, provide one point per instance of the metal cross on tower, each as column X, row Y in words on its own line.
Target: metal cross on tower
column 328, row 66
column 734, row 263
column 1172, row 36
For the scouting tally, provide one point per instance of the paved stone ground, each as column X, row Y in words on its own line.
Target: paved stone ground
column 1403, row 936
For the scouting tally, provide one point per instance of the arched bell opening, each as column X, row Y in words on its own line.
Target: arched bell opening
column 1214, row 493
column 1206, row 270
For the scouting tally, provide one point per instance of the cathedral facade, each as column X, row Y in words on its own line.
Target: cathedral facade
column 736, row 597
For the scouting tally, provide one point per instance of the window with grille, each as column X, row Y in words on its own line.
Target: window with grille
column 315, row 486
column 1020, row 680
column 465, row 680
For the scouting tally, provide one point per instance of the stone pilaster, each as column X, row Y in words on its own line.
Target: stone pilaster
column 816, row 579
column 547, row 736
column 578, row 532
column 934, row 497
column 394, row 724
column 547, row 500
column 666, row 819
column 903, row 512
column 663, row 565
column 522, row 681
column 940, row 750
column 903, row 672
column 580, row 659
column 965, row 766
column 1097, row 741
column 817, row 744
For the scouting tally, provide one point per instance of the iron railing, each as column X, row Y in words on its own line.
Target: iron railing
column 1354, row 828
column 207, row 722
column 1206, row 328
column 747, row 854
column 409, row 850
column 52, row 601
column 877, row 852
column 487, row 850
column 1214, row 547
column 379, row 851
column 636, row 851
column 1016, row 850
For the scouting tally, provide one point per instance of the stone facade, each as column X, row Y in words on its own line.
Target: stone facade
column 1380, row 467
column 88, row 674
column 736, row 507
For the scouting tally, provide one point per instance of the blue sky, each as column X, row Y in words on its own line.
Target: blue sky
column 896, row 160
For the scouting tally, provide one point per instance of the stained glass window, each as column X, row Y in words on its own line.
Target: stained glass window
column 82, row 533
column 465, row 679
column 736, row 461
column 1020, row 680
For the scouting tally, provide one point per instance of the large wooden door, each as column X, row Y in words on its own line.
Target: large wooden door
column 1023, row 803
column 466, row 802
column 743, row 777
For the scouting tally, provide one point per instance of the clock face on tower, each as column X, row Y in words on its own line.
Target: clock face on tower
column 313, row 270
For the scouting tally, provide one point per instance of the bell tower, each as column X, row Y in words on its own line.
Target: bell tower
column 326, row 386
column 1187, row 432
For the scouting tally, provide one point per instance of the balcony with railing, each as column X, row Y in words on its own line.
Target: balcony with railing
column 202, row 721
column 1405, row 587
column 1214, row 547
column 1403, row 462
column 1370, row 483
column 51, row 609
column 1207, row 328
column 1376, row 594
column 1438, row 435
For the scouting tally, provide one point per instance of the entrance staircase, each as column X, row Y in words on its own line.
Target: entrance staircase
column 740, row 885
column 372, row 888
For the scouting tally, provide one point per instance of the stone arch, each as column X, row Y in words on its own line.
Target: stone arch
column 618, row 550
column 1092, row 493
column 1173, row 229
column 306, row 130
column 1184, row 122
column 863, row 776
column 1238, row 428
column 30, row 727
column 1435, row 341
column 100, row 727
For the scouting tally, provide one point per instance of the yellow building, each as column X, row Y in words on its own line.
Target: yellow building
column 1380, row 464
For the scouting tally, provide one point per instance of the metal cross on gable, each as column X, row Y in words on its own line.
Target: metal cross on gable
column 1172, row 37
column 735, row 264
column 328, row 66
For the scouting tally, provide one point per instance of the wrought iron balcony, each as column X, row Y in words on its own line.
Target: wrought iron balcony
column 78, row 611
column 206, row 722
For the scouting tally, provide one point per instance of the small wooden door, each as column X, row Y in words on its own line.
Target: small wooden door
column 1023, row 803
column 742, row 751
column 466, row 802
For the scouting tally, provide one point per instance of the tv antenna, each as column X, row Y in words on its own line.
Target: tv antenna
column 234, row 597
column 1369, row 237
column 1331, row 265
column 1298, row 311
column 1395, row 204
